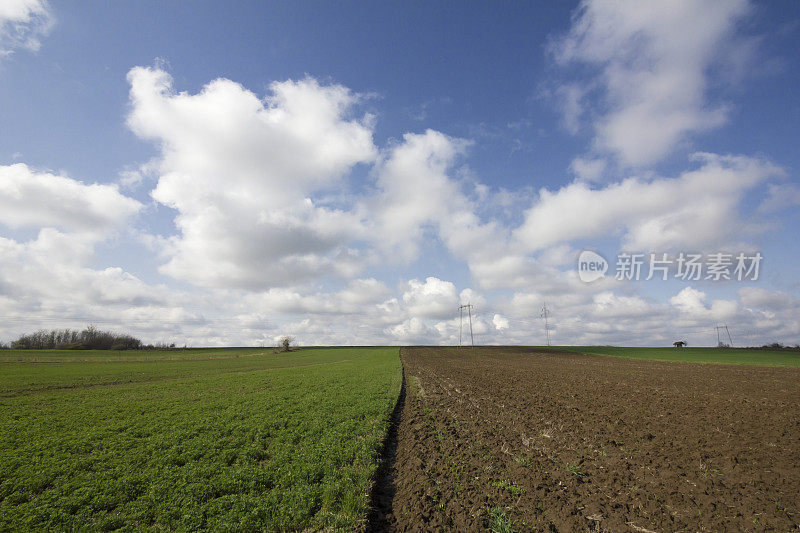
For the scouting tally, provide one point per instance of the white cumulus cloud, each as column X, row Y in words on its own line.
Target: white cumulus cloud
column 692, row 303
column 39, row 199
column 416, row 190
column 500, row 322
column 651, row 62
column 22, row 24
column 434, row 298
column 697, row 210
column 242, row 173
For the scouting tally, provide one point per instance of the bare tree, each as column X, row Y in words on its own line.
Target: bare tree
column 285, row 343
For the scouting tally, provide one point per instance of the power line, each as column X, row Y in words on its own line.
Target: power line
column 719, row 340
column 545, row 312
column 468, row 307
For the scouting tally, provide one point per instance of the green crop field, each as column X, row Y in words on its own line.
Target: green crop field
column 734, row 356
column 226, row 439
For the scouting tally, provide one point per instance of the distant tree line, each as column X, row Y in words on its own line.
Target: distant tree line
column 90, row 338
column 781, row 346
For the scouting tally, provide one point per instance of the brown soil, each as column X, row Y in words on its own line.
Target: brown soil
column 568, row 442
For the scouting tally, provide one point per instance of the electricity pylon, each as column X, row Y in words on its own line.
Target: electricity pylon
column 719, row 339
column 461, row 308
column 545, row 314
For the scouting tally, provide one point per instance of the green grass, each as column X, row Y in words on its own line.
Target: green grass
column 499, row 521
column 516, row 490
column 524, row 461
column 735, row 356
column 575, row 470
column 115, row 356
column 233, row 439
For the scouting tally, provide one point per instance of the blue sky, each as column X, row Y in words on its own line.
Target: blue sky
column 349, row 173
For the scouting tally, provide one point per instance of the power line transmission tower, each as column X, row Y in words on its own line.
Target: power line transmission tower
column 461, row 308
column 719, row 339
column 460, row 324
column 545, row 314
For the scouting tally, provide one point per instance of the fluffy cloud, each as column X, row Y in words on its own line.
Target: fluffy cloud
column 621, row 317
column 47, row 276
column 433, row 299
column 755, row 297
column 46, row 281
column 651, row 61
column 248, row 179
column 780, row 196
column 697, row 210
column 420, row 193
column 692, row 303
column 500, row 322
column 241, row 173
column 588, row 169
column 413, row 331
column 359, row 296
column 610, row 305
column 38, row 199
column 415, row 190
column 22, row 24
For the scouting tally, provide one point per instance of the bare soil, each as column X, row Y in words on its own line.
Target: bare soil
column 570, row 442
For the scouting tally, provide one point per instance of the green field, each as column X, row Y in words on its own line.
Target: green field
column 225, row 439
column 731, row 356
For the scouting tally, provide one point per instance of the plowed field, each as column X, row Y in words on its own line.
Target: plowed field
column 506, row 438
